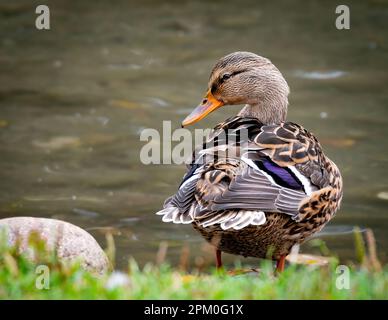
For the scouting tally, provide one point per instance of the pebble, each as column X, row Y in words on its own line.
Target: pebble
column 117, row 279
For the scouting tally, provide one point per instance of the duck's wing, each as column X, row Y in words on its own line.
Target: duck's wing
column 279, row 170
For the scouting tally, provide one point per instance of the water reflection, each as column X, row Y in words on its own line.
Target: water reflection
column 74, row 99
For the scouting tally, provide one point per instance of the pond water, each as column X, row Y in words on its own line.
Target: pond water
column 73, row 100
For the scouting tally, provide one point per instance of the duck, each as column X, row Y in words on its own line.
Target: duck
column 258, row 185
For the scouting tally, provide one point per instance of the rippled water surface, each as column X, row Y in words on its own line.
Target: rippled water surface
column 74, row 99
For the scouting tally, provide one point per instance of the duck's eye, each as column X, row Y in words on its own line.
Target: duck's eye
column 225, row 77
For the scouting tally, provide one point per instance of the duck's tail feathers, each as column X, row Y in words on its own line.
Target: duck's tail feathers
column 172, row 214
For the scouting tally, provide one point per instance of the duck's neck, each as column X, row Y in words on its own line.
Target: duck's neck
column 267, row 112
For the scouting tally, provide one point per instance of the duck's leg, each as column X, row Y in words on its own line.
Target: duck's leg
column 218, row 259
column 280, row 263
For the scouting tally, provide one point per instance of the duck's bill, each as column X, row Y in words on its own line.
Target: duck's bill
column 208, row 105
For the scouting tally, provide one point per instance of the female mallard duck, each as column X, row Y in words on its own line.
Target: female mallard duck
column 266, row 184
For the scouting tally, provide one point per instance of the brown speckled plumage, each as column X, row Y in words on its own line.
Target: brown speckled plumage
column 288, row 144
column 271, row 240
column 258, row 185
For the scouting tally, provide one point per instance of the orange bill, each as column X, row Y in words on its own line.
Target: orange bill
column 208, row 104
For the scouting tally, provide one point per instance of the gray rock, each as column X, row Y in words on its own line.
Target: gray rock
column 70, row 242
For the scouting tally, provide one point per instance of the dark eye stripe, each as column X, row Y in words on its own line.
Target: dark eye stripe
column 229, row 75
column 226, row 76
column 220, row 80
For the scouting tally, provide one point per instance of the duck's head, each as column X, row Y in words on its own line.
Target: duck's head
column 245, row 78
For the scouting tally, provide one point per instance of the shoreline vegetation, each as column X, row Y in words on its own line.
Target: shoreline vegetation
column 45, row 277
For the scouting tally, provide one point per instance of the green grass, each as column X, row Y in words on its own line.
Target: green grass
column 18, row 281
